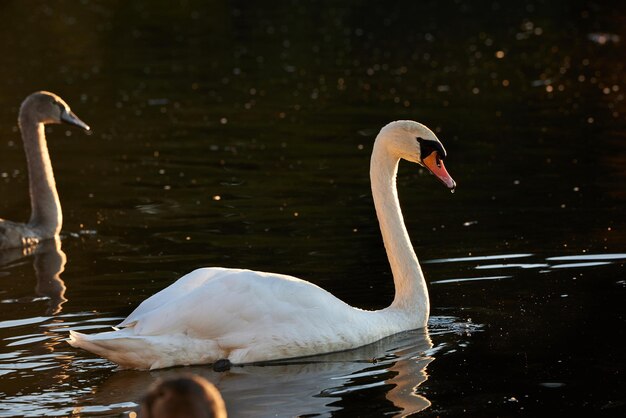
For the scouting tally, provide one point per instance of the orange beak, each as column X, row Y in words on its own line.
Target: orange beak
column 435, row 165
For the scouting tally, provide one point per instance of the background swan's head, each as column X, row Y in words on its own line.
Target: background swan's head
column 414, row 142
column 45, row 107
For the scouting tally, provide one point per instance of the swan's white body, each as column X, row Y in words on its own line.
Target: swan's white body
column 246, row 316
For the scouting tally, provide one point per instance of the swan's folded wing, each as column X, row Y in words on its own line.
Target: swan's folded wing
column 242, row 303
column 183, row 286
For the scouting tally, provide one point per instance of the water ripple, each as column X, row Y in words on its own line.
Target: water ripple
column 588, row 257
column 477, row 258
column 575, row 265
column 22, row 322
column 508, row 266
column 470, row 279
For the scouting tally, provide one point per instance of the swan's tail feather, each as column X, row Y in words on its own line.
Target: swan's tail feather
column 128, row 352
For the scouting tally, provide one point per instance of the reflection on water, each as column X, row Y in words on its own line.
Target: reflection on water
column 305, row 386
column 48, row 262
column 311, row 385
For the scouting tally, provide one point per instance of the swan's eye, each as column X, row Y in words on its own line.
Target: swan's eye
column 59, row 105
column 428, row 146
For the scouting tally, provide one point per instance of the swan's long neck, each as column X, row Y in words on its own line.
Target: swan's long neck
column 411, row 292
column 46, row 215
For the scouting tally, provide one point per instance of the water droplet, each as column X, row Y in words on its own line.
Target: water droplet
column 452, row 191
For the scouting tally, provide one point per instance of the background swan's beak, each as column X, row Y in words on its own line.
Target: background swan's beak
column 68, row 116
column 435, row 165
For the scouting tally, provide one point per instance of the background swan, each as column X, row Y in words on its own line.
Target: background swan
column 246, row 316
column 37, row 110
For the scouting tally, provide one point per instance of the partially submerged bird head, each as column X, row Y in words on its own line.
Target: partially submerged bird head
column 188, row 396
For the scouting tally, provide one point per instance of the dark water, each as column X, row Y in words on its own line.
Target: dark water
column 238, row 134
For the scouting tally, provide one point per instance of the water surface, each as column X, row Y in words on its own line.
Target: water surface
column 237, row 135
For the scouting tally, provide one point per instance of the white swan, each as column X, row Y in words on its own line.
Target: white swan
column 243, row 316
column 38, row 109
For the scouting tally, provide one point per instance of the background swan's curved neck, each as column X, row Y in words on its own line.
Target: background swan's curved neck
column 46, row 215
column 411, row 292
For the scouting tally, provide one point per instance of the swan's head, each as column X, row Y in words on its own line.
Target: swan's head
column 414, row 142
column 45, row 107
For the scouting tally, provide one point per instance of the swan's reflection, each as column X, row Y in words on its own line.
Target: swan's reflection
column 313, row 385
column 49, row 263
